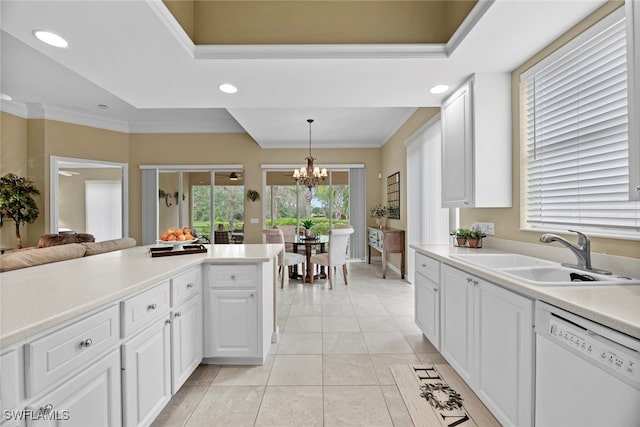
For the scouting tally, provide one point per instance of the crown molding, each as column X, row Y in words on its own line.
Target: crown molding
column 322, row 51
column 194, row 126
column 14, row 108
column 167, row 18
column 397, row 127
column 268, row 145
column 467, row 25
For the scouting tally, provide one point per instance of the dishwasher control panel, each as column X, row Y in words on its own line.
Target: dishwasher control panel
column 624, row 361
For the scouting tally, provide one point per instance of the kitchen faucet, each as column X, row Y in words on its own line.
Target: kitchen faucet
column 582, row 251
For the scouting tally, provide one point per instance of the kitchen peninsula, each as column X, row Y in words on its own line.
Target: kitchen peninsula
column 120, row 332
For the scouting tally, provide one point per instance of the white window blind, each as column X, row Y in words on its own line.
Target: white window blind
column 577, row 137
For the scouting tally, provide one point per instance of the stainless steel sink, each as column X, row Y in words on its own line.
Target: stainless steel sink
column 539, row 272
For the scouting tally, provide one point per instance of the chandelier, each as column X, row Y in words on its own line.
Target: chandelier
column 311, row 175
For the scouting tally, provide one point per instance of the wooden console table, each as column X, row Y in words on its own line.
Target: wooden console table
column 387, row 240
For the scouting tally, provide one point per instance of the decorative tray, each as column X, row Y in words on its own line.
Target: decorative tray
column 168, row 250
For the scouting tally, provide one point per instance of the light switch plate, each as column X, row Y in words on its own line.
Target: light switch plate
column 255, row 221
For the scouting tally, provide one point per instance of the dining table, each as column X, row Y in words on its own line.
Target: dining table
column 317, row 243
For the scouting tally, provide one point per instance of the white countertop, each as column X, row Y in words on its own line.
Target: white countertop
column 37, row 298
column 617, row 307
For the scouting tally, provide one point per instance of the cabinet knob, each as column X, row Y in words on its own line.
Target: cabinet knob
column 469, row 280
column 167, row 322
column 46, row 408
column 475, row 283
column 637, row 187
column 189, row 285
column 435, row 289
column 86, row 343
column 233, row 277
column 424, row 265
column 251, row 294
column 152, row 306
column 177, row 314
column 466, row 202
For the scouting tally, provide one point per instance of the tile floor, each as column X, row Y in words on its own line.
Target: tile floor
column 330, row 368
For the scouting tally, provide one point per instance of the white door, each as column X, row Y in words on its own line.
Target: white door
column 103, row 209
column 91, row 398
column 428, row 308
column 147, row 374
column 234, row 323
column 503, row 349
column 186, row 340
column 457, row 317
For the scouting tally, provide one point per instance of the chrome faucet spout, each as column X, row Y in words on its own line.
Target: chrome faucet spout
column 582, row 250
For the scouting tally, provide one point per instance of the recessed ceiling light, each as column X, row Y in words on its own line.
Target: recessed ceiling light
column 50, row 38
column 5, row 97
column 228, row 88
column 439, row 89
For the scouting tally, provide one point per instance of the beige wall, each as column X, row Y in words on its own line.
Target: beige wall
column 394, row 159
column 13, row 159
column 507, row 220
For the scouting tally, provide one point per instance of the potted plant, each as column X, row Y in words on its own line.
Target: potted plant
column 307, row 224
column 17, row 203
column 474, row 239
column 379, row 212
column 461, row 235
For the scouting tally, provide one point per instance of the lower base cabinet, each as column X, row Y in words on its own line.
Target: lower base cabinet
column 487, row 337
column 146, row 373
column 186, row 340
column 233, row 323
column 427, row 308
column 91, row 398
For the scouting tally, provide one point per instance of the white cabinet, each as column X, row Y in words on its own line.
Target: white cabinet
column 11, row 381
column 90, row 398
column 427, row 298
column 487, row 337
column 234, row 323
column 186, row 340
column 503, row 351
column 146, row 365
column 457, row 320
column 238, row 318
column 476, row 134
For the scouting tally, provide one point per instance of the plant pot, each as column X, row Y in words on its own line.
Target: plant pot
column 307, row 232
column 461, row 241
column 474, row 242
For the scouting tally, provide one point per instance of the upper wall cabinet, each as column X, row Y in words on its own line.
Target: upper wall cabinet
column 476, row 135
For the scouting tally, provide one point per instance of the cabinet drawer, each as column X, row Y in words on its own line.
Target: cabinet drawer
column 428, row 266
column 144, row 308
column 185, row 286
column 233, row 276
column 67, row 350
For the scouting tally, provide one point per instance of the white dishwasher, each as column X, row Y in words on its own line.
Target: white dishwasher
column 586, row 374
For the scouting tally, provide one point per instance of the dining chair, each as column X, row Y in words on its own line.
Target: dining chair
column 337, row 254
column 221, row 237
column 285, row 259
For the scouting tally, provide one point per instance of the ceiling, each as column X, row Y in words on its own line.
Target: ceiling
column 133, row 57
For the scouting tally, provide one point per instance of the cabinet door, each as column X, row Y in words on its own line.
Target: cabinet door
column 232, row 323
column 186, row 340
column 427, row 308
column 503, row 344
column 457, row 149
column 457, row 317
column 91, row 398
column 147, row 373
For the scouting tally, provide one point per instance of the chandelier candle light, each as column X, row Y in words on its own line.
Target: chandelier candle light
column 311, row 175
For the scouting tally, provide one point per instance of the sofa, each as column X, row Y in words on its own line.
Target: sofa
column 51, row 252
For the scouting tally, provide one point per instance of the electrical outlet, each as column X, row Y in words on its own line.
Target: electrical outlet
column 488, row 228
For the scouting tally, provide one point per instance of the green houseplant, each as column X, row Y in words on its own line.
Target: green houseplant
column 379, row 212
column 461, row 235
column 474, row 239
column 307, row 224
column 17, row 202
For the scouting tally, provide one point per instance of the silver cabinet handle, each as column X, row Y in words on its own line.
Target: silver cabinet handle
column 152, row 306
column 475, row 283
column 189, row 285
column 46, row 408
column 638, row 188
column 177, row 314
column 469, row 279
column 167, row 322
column 86, row 343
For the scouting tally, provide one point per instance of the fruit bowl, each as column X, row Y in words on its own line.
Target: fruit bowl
column 178, row 245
